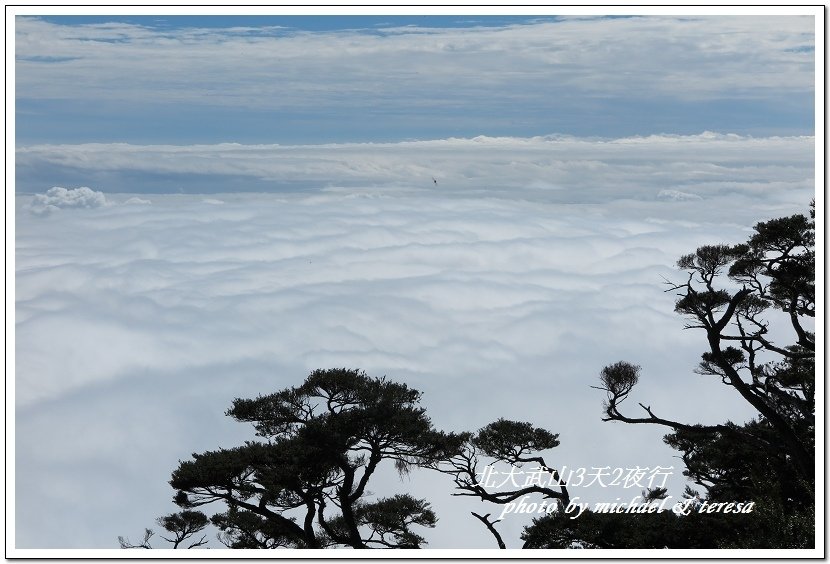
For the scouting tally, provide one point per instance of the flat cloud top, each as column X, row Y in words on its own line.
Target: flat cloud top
column 553, row 168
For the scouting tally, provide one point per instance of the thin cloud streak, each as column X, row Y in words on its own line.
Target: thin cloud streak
column 719, row 56
column 557, row 168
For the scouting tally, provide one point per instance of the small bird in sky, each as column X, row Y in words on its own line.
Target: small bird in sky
column 434, row 181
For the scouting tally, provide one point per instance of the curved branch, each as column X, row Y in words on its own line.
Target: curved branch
column 487, row 523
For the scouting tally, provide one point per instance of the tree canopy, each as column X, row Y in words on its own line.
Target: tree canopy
column 754, row 303
column 303, row 485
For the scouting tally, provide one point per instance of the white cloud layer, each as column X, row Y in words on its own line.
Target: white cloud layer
column 136, row 325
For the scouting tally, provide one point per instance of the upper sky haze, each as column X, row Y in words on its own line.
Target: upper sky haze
column 311, row 80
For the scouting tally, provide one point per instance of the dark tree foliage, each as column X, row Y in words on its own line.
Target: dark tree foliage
column 765, row 527
column 182, row 526
column 304, row 483
column 511, row 443
column 754, row 303
column 761, row 528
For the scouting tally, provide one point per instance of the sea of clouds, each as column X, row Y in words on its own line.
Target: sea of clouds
column 501, row 291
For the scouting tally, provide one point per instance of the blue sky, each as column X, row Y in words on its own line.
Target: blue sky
column 334, row 79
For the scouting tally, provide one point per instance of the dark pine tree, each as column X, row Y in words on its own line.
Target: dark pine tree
column 303, row 484
column 745, row 299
